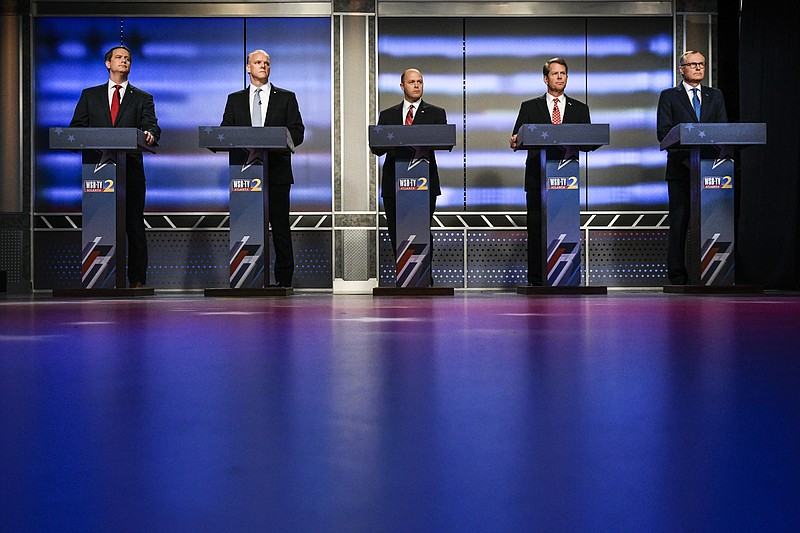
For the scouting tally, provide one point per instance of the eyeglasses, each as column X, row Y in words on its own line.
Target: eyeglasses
column 694, row 65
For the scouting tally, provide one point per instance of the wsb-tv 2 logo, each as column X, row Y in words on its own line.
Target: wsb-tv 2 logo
column 717, row 182
column 246, row 185
column 412, row 184
column 98, row 185
column 570, row 182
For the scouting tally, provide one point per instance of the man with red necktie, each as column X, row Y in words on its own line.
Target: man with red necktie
column 412, row 110
column 553, row 107
column 118, row 104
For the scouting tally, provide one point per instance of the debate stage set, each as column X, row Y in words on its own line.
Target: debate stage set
column 427, row 388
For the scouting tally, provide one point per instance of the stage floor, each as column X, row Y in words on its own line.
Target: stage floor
column 485, row 411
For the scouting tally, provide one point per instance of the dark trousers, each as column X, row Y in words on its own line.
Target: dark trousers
column 679, row 210
column 390, row 207
column 134, row 227
column 281, row 234
column 536, row 271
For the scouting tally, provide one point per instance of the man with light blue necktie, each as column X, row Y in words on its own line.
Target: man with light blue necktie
column 264, row 104
column 688, row 102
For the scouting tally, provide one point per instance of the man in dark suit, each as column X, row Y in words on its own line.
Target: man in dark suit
column 412, row 110
column 130, row 107
column 553, row 107
column 686, row 103
column 263, row 104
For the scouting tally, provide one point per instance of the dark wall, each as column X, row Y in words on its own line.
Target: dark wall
column 768, row 234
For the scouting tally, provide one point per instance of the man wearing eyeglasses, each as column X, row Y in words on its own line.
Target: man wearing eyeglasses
column 688, row 102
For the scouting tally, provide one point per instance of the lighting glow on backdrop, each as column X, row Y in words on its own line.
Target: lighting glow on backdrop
column 189, row 65
column 481, row 69
column 478, row 69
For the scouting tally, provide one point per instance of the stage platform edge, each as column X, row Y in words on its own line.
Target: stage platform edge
column 546, row 290
column 227, row 292
column 713, row 289
column 103, row 293
column 413, row 291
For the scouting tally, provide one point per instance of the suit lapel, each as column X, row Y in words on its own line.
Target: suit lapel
column 125, row 103
column 101, row 95
column 420, row 117
column 541, row 105
column 273, row 96
column 687, row 104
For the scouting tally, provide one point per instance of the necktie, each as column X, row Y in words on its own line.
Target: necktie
column 556, row 112
column 696, row 103
column 410, row 115
column 255, row 117
column 115, row 104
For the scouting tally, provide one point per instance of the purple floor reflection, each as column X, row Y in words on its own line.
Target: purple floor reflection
column 636, row 411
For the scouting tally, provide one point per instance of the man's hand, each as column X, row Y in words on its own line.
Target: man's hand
column 513, row 142
column 149, row 138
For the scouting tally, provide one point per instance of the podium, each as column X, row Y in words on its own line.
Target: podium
column 248, row 148
column 560, row 224
column 412, row 146
column 711, row 220
column 103, row 236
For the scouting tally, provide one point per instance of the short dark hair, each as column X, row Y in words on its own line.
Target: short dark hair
column 111, row 52
column 559, row 60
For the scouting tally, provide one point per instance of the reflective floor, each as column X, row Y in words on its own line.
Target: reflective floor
column 484, row 411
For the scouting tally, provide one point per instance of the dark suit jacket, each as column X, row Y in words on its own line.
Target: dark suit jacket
column 393, row 116
column 282, row 111
column 535, row 111
column 136, row 110
column 674, row 107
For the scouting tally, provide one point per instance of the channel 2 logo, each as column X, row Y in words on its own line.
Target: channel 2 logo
column 98, row 185
column 245, row 185
column 717, row 182
column 412, row 184
column 562, row 183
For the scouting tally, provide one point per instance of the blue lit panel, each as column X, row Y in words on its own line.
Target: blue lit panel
column 190, row 65
column 488, row 66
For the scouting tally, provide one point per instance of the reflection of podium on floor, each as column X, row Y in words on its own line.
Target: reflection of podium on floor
column 711, row 222
column 103, row 236
column 247, row 149
column 412, row 146
column 560, row 224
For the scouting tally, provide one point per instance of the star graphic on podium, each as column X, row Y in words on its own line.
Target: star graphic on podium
column 107, row 157
column 57, row 131
column 390, row 135
column 221, row 137
column 207, row 129
column 420, row 155
column 545, row 135
column 70, row 138
column 702, row 134
column 253, row 158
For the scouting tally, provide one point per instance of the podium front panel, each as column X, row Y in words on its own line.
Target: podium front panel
column 413, row 216
column 561, row 211
column 716, row 243
column 99, row 246
column 248, row 223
